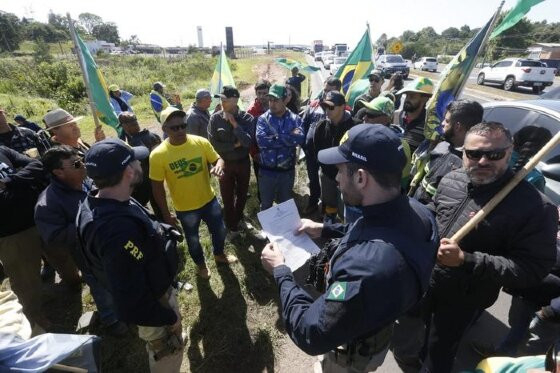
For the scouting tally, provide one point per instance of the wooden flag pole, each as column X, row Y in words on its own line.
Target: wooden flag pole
column 84, row 71
column 520, row 175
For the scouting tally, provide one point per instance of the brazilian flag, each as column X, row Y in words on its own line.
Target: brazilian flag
column 222, row 76
column 99, row 92
column 358, row 64
column 452, row 81
column 289, row 64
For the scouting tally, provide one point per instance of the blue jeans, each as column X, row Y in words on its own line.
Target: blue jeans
column 211, row 214
column 103, row 299
column 312, row 165
column 275, row 186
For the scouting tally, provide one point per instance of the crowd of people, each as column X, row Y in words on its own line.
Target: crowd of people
column 389, row 202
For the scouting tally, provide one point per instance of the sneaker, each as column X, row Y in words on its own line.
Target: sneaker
column 203, row 272
column 225, row 259
column 259, row 235
column 118, row 329
column 248, row 227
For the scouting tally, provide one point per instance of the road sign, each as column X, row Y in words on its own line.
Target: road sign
column 396, row 47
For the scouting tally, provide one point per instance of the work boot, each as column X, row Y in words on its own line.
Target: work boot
column 225, row 259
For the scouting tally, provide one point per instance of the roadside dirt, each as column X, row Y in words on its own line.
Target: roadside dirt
column 269, row 71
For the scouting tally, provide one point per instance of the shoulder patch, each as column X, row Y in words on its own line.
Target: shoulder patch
column 337, row 291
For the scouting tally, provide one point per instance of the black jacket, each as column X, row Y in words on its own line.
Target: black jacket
column 513, row 247
column 24, row 179
column 328, row 135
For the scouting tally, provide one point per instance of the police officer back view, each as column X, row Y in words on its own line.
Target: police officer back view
column 131, row 254
column 380, row 267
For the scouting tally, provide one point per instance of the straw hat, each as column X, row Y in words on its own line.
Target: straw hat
column 59, row 117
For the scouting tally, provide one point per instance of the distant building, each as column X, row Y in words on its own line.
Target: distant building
column 199, row 33
column 544, row 51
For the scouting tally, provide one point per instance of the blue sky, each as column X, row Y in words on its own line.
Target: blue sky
column 174, row 22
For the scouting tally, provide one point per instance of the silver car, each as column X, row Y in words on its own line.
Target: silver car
column 542, row 113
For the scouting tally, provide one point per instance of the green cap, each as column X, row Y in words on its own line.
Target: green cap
column 419, row 85
column 381, row 105
column 277, row 91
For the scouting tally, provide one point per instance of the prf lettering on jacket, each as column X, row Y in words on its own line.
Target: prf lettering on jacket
column 133, row 250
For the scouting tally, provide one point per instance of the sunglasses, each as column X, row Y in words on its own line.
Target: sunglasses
column 491, row 155
column 77, row 164
column 375, row 79
column 177, row 127
column 327, row 107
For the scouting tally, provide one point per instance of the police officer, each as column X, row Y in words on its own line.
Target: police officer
column 130, row 253
column 380, row 267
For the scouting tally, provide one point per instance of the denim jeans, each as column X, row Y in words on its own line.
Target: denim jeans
column 211, row 214
column 103, row 299
column 275, row 186
column 312, row 165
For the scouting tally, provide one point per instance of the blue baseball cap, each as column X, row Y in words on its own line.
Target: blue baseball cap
column 375, row 146
column 111, row 156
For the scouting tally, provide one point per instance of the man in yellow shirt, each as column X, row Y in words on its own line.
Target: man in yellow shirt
column 183, row 163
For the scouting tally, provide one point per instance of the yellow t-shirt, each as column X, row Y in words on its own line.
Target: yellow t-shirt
column 185, row 170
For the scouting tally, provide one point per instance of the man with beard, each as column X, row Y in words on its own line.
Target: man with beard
column 130, row 253
column 513, row 247
column 460, row 116
column 381, row 266
column 413, row 116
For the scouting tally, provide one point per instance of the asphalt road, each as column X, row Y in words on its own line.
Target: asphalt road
column 493, row 325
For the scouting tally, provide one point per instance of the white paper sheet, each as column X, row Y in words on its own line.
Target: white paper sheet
column 279, row 224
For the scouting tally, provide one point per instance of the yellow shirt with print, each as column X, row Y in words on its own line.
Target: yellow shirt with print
column 185, row 170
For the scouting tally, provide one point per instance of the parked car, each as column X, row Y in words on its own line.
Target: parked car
column 543, row 113
column 391, row 63
column 517, row 72
column 328, row 59
column 338, row 61
column 553, row 94
column 426, row 63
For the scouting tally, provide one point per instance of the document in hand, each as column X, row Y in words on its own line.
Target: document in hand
column 279, row 224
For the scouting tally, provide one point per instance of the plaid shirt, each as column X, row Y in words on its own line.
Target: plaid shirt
column 24, row 139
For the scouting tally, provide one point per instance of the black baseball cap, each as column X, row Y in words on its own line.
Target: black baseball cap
column 375, row 146
column 228, row 91
column 334, row 98
column 111, row 156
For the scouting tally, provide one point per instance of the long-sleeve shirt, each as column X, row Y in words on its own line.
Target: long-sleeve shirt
column 277, row 138
column 223, row 136
column 23, row 178
column 197, row 121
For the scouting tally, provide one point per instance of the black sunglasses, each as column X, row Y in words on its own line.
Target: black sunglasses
column 375, row 79
column 491, row 155
column 327, row 106
column 177, row 127
column 77, row 164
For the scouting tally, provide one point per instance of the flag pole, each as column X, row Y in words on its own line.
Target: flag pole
column 84, row 71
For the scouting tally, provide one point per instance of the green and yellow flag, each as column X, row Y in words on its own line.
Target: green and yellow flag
column 358, row 64
column 289, row 64
column 98, row 88
column 222, row 76
column 514, row 15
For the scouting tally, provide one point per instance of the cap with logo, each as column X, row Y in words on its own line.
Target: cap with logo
column 380, row 106
column 334, row 98
column 170, row 112
column 111, row 156
column 228, row 91
column 375, row 146
column 202, row 93
column 419, row 85
column 113, row 88
column 377, row 73
column 277, row 91
column 59, row 117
